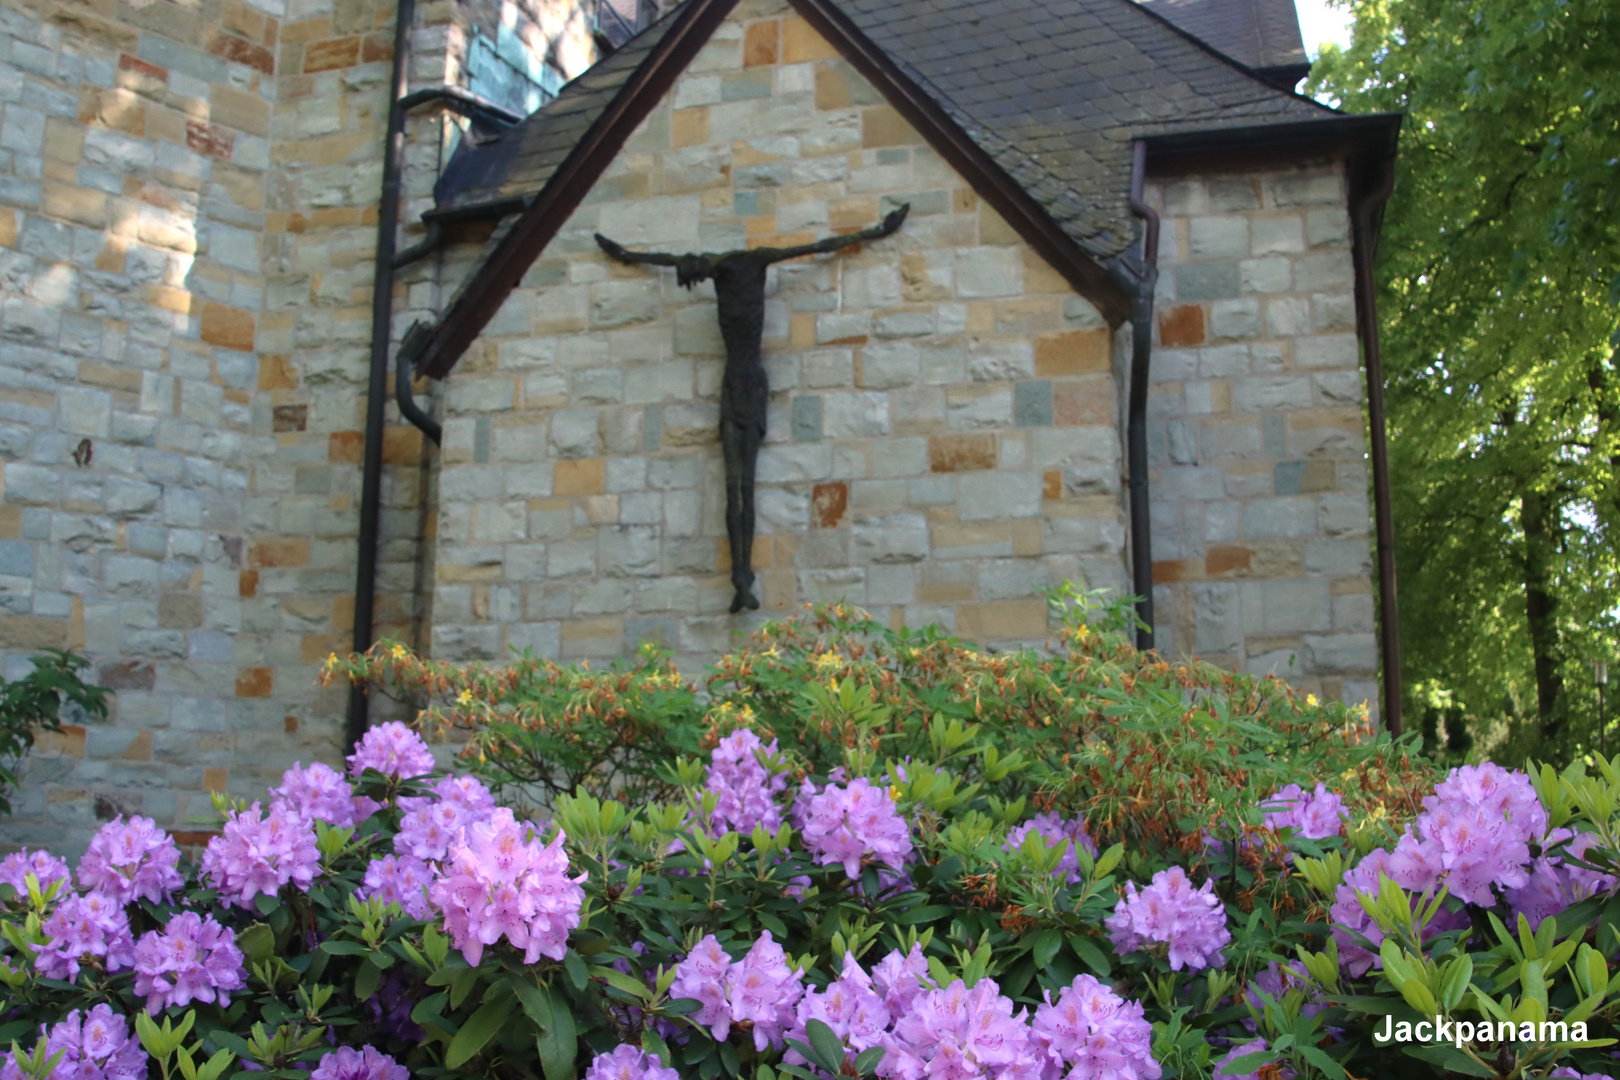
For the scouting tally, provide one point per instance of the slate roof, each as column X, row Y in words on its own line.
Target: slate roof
column 1259, row 34
column 1053, row 90
column 519, row 161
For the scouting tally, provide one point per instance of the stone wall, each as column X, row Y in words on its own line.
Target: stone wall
column 187, row 223
column 942, row 434
column 1262, row 560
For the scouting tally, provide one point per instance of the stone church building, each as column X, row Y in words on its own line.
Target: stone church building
column 244, row 425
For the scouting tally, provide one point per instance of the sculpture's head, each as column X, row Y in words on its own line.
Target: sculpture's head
column 690, row 270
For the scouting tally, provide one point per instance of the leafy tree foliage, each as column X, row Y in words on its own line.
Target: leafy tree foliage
column 1500, row 273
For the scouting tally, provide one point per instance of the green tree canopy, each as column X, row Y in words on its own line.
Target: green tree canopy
column 1500, row 298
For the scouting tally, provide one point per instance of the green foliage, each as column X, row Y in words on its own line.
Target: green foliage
column 1500, row 272
column 34, row 703
column 1168, row 764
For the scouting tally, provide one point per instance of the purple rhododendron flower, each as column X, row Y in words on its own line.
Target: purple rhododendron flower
column 628, row 1062
column 46, row 868
column 899, row 977
column 844, row 825
column 1054, row 830
column 366, row 1063
column 1091, row 1031
column 1507, row 793
column 1466, row 848
column 394, row 750
column 193, row 958
column 132, row 861
column 1314, row 816
column 850, row 1006
column 1555, row 884
column 320, row 793
column 1276, row 981
column 96, row 1045
column 93, row 926
column 399, row 879
column 498, row 881
column 763, row 990
column 1564, row 1072
column 1350, row 918
column 1223, row 1069
column 702, row 977
column 961, row 1034
column 745, row 790
column 257, row 853
column 1170, row 912
column 429, row 825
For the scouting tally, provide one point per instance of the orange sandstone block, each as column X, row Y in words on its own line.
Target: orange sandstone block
column 281, row 551
column 1072, row 352
column 255, row 682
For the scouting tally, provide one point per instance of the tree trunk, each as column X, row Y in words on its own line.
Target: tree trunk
column 1537, row 518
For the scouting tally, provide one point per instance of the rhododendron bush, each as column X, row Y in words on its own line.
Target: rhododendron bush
column 883, row 856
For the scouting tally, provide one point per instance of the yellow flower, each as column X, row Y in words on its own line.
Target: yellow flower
column 397, row 652
column 746, row 713
column 827, row 660
column 1310, row 700
column 464, row 698
column 331, row 660
column 896, row 792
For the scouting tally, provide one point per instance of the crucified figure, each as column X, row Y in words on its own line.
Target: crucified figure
column 739, row 286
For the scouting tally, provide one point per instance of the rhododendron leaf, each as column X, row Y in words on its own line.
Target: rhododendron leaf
column 618, row 979
column 480, row 1027
column 558, row 1043
column 577, row 973
column 1091, row 956
column 1250, row 1063
column 1045, row 946
column 868, row 1059
column 343, row 948
column 428, row 1011
column 829, row 1047
column 806, row 1051
column 534, row 1000
column 1446, row 1057
column 366, row 977
column 1322, row 1061
column 681, row 1006
column 728, row 1058
column 652, row 1043
column 266, row 904
column 257, row 942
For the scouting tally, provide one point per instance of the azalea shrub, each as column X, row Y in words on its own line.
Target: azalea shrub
column 886, row 855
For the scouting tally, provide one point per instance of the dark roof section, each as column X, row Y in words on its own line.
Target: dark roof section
column 519, row 161
column 1057, row 91
column 1037, row 102
column 1259, row 34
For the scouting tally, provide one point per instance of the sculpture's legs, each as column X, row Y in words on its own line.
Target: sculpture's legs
column 740, row 445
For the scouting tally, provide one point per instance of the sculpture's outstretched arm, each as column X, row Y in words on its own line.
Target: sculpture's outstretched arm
column 833, row 243
column 689, row 269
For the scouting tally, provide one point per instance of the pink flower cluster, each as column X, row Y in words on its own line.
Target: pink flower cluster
column 1093, row 1032
column 84, row 928
column 1473, row 837
column 429, row 825
column 746, row 791
column 1555, row 883
column 399, row 879
column 957, row 1033
column 133, row 861
column 846, row 825
column 46, row 868
column 96, row 1045
column 259, row 853
column 393, row 750
column 320, row 793
column 1172, row 919
column 366, row 1063
column 1313, row 816
column 500, row 880
column 1054, row 831
column 627, row 1062
column 759, row 990
column 194, row 958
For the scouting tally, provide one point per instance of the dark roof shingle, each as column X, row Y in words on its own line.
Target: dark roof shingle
column 1124, row 72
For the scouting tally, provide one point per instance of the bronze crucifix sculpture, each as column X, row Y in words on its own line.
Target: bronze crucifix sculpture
column 739, row 286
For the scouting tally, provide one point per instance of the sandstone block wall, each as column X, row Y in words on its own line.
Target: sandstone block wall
column 1262, row 557
column 942, row 434
column 187, row 220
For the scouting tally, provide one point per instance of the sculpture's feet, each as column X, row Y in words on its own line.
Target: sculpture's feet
column 744, row 596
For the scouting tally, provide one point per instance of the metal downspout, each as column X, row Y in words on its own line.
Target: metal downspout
column 382, row 313
column 1384, row 524
column 1136, row 447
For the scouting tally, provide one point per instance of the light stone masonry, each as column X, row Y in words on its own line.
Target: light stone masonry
column 1261, row 551
column 942, row 437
